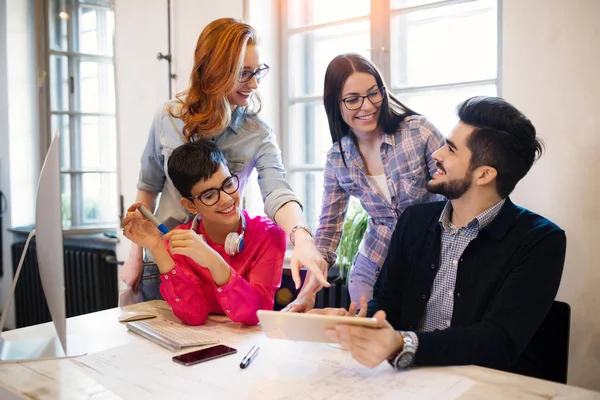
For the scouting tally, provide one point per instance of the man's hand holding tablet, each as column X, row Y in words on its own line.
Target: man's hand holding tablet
column 312, row 326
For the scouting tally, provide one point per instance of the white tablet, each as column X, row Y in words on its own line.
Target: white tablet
column 305, row 327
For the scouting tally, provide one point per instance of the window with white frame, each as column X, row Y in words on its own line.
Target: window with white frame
column 82, row 109
column 432, row 54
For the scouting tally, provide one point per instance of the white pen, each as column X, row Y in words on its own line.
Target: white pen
column 249, row 357
column 150, row 217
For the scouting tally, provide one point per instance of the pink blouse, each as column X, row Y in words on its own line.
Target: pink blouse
column 255, row 277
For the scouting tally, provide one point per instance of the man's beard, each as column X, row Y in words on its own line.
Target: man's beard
column 451, row 190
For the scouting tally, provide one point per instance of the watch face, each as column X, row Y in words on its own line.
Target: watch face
column 405, row 360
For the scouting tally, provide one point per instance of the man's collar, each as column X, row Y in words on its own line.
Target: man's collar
column 486, row 219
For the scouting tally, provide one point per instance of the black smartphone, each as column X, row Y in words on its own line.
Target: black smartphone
column 202, row 355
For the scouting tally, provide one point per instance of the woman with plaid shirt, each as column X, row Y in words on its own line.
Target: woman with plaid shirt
column 381, row 155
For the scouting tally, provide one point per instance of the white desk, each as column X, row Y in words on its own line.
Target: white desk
column 268, row 374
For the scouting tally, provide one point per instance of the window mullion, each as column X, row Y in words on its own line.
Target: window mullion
column 284, row 79
column 380, row 36
column 74, row 121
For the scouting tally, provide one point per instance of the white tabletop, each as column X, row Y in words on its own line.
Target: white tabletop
column 122, row 365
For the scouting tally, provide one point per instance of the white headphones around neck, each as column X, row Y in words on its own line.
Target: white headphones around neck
column 234, row 242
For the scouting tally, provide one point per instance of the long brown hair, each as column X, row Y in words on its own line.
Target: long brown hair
column 218, row 60
column 339, row 69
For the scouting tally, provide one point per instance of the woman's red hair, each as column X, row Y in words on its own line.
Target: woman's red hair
column 218, row 60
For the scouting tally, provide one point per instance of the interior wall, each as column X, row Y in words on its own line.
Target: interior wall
column 4, row 153
column 551, row 60
column 19, row 125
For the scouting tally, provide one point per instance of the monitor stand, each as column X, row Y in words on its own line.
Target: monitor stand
column 33, row 349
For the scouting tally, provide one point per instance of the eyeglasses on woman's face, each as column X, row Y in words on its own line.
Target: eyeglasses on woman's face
column 259, row 73
column 211, row 196
column 354, row 102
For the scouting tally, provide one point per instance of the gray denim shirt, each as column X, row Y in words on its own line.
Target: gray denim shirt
column 247, row 143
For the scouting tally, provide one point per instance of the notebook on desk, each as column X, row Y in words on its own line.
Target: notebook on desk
column 171, row 335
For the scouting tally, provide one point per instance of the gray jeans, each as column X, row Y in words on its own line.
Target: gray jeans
column 362, row 278
column 150, row 284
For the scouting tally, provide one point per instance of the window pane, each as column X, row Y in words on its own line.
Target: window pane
column 59, row 83
column 308, row 186
column 65, row 196
column 98, row 143
column 440, row 105
column 312, row 12
column 106, row 3
column 444, row 45
column 96, row 88
column 99, row 199
column 395, row 4
column 311, row 52
column 309, row 134
column 58, row 25
column 96, row 28
column 60, row 123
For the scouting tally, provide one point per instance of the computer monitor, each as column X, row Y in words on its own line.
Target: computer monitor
column 50, row 255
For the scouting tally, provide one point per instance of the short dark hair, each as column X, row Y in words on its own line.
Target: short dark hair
column 193, row 162
column 503, row 138
column 339, row 69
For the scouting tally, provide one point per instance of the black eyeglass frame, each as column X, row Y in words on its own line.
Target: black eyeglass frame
column 260, row 69
column 381, row 92
column 233, row 177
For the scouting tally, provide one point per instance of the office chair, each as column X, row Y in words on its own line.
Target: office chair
column 550, row 344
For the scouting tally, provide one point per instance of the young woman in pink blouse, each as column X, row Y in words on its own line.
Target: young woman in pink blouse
column 223, row 261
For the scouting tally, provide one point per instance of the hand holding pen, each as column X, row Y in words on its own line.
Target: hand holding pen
column 249, row 357
column 142, row 230
column 150, row 217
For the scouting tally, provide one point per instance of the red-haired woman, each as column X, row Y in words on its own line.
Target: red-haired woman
column 221, row 105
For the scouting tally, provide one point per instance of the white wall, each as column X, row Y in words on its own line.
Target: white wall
column 141, row 80
column 19, row 129
column 189, row 17
column 550, row 71
column 263, row 16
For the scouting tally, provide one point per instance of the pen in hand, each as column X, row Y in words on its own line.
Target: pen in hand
column 150, row 217
column 249, row 357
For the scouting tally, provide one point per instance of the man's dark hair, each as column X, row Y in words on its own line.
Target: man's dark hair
column 191, row 163
column 503, row 138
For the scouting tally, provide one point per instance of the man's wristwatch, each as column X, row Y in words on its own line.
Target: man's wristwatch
column 406, row 357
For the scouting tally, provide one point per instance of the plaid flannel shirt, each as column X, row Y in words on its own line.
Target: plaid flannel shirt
column 408, row 166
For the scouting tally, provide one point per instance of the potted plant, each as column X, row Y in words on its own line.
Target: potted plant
column 355, row 225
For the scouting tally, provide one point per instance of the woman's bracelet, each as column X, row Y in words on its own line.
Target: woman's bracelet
column 294, row 229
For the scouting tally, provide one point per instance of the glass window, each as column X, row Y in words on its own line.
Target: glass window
column 310, row 53
column 97, row 188
column 433, row 54
column 439, row 105
column 444, row 45
column 60, row 123
column 95, row 30
column 309, row 188
column 308, row 134
column 394, row 4
column 82, row 99
column 312, row 12
column 59, row 82
column 96, row 87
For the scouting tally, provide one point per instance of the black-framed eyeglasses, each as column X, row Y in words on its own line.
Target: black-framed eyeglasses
column 260, row 73
column 210, row 197
column 355, row 102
